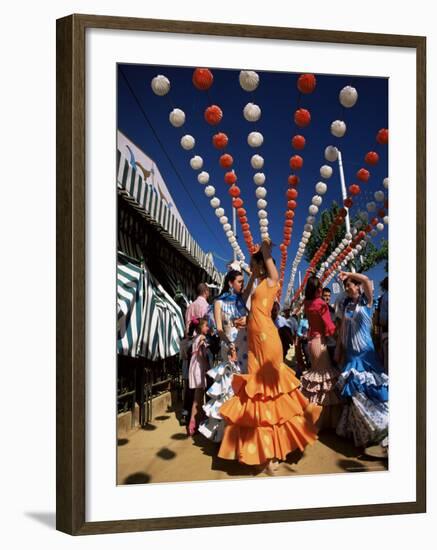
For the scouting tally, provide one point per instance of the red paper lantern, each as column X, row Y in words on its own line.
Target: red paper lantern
column 342, row 212
column 296, row 162
column 236, row 203
column 361, row 235
column 226, row 161
column 202, row 79
column 230, row 178
column 293, row 180
column 381, row 212
column 291, row 205
column 220, row 140
column 306, row 83
column 291, row 194
column 298, row 142
column 302, row 118
column 289, row 214
column 288, row 223
column 213, row 115
column 287, row 230
column 243, row 219
column 282, row 247
column 354, row 189
column 241, row 212
column 386, row 203
column 348, row 202
column 372, row 158
column 234, row 191
column 246, row 234
column 382, row 136
column 363, row 175
column 245, row 226
column 287, row 242
column 374, row 221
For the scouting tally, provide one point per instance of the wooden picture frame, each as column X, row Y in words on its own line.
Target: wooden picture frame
column 71, row 284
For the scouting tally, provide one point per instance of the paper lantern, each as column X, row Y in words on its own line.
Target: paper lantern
column 372, row 158
column 306, row 83
column 230, row 177
column 379, row 196
column 255, row 139
column 385, row 183
column 187, row 142
column 229, row 233
column 226, row 225
column 289, row 214
column 236, row 203
column 234, row 191
column 293, row 179
column 381, row 212
column 371, row 206
column 313, row 209
column 288, row 223
column 342, row 212
column 380, row 226
column 262, row 214
column 374, row 232
column 363, row 175
column 241, row 212
column 321, row 188
column 257, row 162
column 302, row 118
column 305, row 240
column 338, row 128
column 160, row 85
column 382, row 136
column 348, row 202
column 298, row 142
column 219, row 212
column 308, row 227
column 385, row 220
column 264, row 222
column 259, row 178
column 261, row 192
column 196, row 162
column 326, row 171
column 292, row 204
column 292, row 194
column 311, row 219
column 213, row 115
column 249, row 80
column 252, row 112
column 261, row 203
column 220, row 140
column 202, row 79
column 348, row 96
column 203, row 177
column 296, row 162
column 215, row 202
column 209, row 191
column 354, row 189
column 177, row 118
column 243, row 219
column 331, row 153
column 317, row 200
column 226, row 161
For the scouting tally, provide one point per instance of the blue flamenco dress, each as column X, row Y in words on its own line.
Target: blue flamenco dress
column 362, row 382
column 232, row 307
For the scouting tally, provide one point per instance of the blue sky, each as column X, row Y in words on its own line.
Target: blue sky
column 278, row 97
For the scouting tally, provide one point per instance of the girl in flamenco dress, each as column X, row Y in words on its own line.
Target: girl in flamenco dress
column 268, row 417
column 319, row 381
column 230, row 321
column 362, row 381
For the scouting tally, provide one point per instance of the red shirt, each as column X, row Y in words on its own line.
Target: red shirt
column 319, row 318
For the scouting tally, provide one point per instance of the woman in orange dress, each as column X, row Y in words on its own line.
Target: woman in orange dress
column 268, row 417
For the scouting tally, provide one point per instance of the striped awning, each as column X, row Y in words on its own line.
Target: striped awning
column 129, row 305
column 145, row 199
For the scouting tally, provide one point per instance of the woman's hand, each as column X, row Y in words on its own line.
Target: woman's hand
column 240, row 322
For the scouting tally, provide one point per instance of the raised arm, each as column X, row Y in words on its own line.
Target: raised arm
column 272, row 272
column 366, row 284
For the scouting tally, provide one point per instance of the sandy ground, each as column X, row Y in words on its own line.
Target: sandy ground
column 162, row 452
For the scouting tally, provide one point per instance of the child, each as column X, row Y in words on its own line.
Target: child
column 185, row 356
column 197, row 373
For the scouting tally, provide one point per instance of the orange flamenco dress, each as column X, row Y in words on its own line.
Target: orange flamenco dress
column 268, row 417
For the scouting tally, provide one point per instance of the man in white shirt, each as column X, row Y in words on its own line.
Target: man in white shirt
column 199, row 308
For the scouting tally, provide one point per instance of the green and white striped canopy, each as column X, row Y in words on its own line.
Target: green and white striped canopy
column 130, row 285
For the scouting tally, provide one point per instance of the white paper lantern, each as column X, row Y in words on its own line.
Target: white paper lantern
column 348, row 96
column 160, row 85
column 219, row 212
column 317, row 200
column 345, row 241
column 359, row 248
column 264, row 229
column 355, row 252
column 338, row 128
column 261, row 192
column 371, row 206
column 385, row 183
column 261, row 203
column 348, row 236
column 209, row 191
column 262, row 214
column 306, row 234
column 252, row 112
column 249, row 80
column 234, row 245
column 321, row 188
column 379, row 196
column 380, row 226
column 257, row 162
column 305, row 240
column 265, row 237
column 385, row 220
column 302, row 245
column 187, row 142
column 313, row 209
column 232, row 239
column 331, row 153
column 326, row 171
column 259, row 178
column 177, row 118
column 374, row 232
column 311, row 219
column 255, row 139
column 308, row 227
column 264, row 222
column 196, row 162
column 203, row 177
column 337, row 251
column 224, row 221
column 215, row 202
column 226, row 226
column 341, row 246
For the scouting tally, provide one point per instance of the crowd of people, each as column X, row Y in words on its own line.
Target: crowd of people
column 261, row 383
